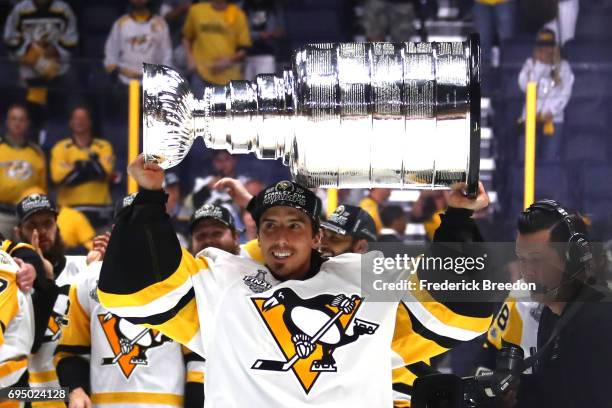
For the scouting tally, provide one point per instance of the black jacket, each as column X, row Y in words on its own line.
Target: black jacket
column 576, row 370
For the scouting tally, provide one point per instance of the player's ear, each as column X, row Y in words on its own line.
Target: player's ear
column 316, row 239
column 360, row 246
column 17, row 233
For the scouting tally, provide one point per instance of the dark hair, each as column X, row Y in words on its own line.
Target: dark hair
column 535, row 220
column 390, row 213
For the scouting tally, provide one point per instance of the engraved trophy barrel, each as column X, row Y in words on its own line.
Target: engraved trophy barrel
column 354, row 115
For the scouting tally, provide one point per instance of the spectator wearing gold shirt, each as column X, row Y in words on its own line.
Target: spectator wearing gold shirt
column 22, row 166
column 215, row 36
column 81, row 165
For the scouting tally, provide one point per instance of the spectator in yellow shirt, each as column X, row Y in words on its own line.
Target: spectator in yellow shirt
column 22, row 166
column 371, row 204
column 215, row 36
column 81, row 165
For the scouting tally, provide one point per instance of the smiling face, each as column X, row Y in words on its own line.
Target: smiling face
column 286, row 239
column 539, row 261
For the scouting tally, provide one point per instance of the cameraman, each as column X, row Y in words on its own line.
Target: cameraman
column 573, row 368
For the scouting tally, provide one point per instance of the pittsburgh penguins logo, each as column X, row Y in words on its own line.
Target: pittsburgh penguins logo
column 129, row 343
column 284, row 186
column 307, row 331
column 58, row 319
column 3, row 285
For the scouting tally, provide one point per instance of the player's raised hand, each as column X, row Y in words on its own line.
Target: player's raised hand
column 458, row 199
column 25, row 275
column 35, row 241
column 235, row 189
column 147, row 175
column 100, row 243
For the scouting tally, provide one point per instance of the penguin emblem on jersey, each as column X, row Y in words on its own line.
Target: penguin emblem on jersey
column 58, row 319
column 308, row 331
column 3, row 285
column 129, row 343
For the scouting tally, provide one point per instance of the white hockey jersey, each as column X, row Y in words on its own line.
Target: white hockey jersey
column 297, row 343
column 130, row 366
column 16, row 324
column 41, row 369
column 517, row 323
column 132, row 42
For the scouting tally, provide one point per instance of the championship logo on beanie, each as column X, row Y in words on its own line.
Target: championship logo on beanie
column 351, row 220
column 33, row 204
column 215, row 212
column 289, row 194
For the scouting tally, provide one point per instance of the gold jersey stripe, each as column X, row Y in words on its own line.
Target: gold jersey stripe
column 195, row 376
column 411, row 346
column 445, row 315
column 183, row 326
column 189, row 266
column 42, row 377
column 136, row 398
column 12, row 366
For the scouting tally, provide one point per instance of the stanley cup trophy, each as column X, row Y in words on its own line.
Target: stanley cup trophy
column 354, row 115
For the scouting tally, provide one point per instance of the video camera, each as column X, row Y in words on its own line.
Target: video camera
column 479, row 391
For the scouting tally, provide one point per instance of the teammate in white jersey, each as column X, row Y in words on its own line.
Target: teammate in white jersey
column 144, row 368
column 16, row 325
column 295, row 331
column 37, row 215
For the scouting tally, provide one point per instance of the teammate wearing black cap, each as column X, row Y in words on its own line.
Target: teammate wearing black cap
column 213, row 226
column 348, row 229
column 293, row 331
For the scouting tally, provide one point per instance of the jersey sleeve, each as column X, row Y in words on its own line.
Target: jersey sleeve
column 243, row 36
column 428, row 323
column 194, row 379
column 107, row 157
column 8, row 297
column 112, row 48
column 507, row 326
column 74, row 349
column 60, row 165
column 189, row 28
column 146, row 276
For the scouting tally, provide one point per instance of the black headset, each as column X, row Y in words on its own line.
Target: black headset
column 578, row 252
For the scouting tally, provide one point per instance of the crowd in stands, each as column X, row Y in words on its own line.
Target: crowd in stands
column 66, row 106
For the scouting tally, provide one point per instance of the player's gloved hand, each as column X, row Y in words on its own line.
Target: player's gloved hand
column 343, row 303
column 458, row 199
column 126, row 347
column 78, row 398
column 25, row 275
column 303, row 345
column 147, row 175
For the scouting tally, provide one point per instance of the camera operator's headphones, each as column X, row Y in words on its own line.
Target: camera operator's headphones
column 578, row 252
